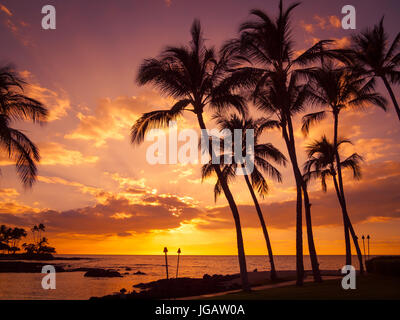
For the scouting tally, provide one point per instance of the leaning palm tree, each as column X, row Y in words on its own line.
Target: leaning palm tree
column 322, row 163
column 16, row 106
column 263, row 153
column 337, row 88
column 268, row 69
column 192, row 75
column 371, row 55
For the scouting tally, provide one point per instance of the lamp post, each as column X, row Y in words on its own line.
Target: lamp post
column 177, row 266
column 166, row 260
column 368, row 237
column 363, row 239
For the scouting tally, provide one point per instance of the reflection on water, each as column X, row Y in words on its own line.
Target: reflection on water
column 73, row 285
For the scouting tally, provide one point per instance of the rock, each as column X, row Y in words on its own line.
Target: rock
column 255, row 270
column 139, row 273
column 102, row 273
column 25, row 267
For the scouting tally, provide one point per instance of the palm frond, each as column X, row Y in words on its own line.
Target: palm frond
column 310, row 119
column 156, row 119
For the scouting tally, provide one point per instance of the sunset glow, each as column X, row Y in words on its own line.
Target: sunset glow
column 97, row 194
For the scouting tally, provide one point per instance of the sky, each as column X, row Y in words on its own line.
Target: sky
column 97, row 194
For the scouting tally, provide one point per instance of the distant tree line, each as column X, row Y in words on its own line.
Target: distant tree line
column 10, row 239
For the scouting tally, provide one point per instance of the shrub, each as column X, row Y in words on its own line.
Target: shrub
column 389, row 265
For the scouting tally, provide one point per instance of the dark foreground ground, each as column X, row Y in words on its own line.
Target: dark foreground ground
column 369, row 287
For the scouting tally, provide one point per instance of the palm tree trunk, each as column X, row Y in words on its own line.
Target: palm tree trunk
column 356, row 244
column 307, row 205
column 346, row 216
column 389, row 89
column 235, row 213
column 299, row 218
column 263, row 226
column 341, row 189
column 345, row 224
column 346, row 219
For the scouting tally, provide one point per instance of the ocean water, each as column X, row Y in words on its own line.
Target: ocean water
column 73, row 285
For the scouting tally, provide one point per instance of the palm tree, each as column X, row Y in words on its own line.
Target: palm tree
column 263, row 152
column 370, row 55
column 192, row 75
column 268, row 68
column 322, row 163
column 337, row 88
column 16, row 106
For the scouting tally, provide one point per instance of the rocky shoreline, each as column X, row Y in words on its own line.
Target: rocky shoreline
column 176, row 288
column 36, row 267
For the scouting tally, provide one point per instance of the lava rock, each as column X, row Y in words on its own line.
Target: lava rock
column 102, row 273
column 139, row 273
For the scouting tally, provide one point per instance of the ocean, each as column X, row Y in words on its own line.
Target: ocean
column 73, row 285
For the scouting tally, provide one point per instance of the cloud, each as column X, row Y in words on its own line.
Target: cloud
column 5, row 10
column 308, row 27
column 321, row 23
column 17, row 27
column 56, row 154
column 112, row 119
column 376, row 198
column 8, row 193
column 335, row 22
column 377, row 148
column 97, row 192
column 117, row 215
column 342, row 42
column 9, row 203
column 58, row 103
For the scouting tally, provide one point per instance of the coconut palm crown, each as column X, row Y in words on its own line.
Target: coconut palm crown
column 16, row 106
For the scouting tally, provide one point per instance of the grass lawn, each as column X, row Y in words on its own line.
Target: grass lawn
column 367, row 287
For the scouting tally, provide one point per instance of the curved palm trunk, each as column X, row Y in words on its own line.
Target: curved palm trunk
column 307, row 205
column 389, row 89
column 341, row 192
column 299, row 218
column 350, row 226
column 263, row 226
column 346, row 219
column 345, row 224
column 236, row 217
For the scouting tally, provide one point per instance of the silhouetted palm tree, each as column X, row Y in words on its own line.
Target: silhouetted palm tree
column 371, row 55
column 192, row 75
column 337, row 89
column 266, row 44
column 16, row 106
column 263, row 153
column 322, row 163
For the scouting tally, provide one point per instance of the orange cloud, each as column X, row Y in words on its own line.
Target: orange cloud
column 17, row 28
column 115, row 216
column 56, row 154
column 379, row 186
column 321, row 23
column 112, row 119
column 335, row 22
column 342, row 42
column 5, row 10
column 58, row 103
